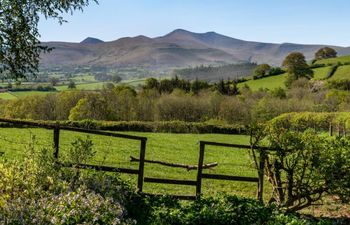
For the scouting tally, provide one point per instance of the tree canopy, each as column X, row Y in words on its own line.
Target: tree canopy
column 20, row 46
column 296, row 66
column 325, row 53
column 262, row 69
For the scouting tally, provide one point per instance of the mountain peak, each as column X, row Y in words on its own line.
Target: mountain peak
column 91, row 40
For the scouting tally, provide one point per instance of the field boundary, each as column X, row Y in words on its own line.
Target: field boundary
column 140, row 171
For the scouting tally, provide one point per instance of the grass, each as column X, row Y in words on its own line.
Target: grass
column 341, row 59
column 343, row 72
column 175, row 148
column 19, row 94
column 268, row 82
column 135, row 82
column 7, row 96
column 85, row 86
column 321, row 73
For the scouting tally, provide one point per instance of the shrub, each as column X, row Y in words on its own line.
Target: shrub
column 73, row 207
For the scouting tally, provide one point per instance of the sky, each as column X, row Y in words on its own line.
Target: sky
column 273, row 21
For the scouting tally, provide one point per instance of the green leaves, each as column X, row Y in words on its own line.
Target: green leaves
column 20, row 47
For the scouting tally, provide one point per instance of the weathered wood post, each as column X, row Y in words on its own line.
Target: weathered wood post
column 330, row 129
column 56, row 141
column 141, row 164
column 200, row 169
column 261, row 175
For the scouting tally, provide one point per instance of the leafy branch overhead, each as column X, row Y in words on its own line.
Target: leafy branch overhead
column 20, row 46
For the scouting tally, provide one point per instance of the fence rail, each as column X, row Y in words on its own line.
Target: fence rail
column 140, row 171
column 56, row 143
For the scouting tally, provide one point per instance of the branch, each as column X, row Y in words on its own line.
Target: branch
column 188, row 167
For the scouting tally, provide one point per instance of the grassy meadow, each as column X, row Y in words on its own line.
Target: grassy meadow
column 174, row 148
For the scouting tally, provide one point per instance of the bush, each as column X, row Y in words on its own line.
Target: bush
column 73, row 207
column 38, row 191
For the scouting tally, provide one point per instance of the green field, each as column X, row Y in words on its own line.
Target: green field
column 268, row 82
column 341, row 59
column 343, row 72
column 7, row 96
column 321, row 73
column 85, row 86
column 135, row 82
column 175, row 148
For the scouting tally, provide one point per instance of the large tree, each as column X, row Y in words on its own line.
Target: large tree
column 261, row 70
column 325, row 53
column 20, row 47
column 296, row 66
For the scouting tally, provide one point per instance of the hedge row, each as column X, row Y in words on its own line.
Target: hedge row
column 139, row 126
column 318, row 121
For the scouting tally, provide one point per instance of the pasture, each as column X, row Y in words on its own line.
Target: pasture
column 340, row 59
column 174, row 148
column 321, row 73
column 271, row 82
column 343, row 72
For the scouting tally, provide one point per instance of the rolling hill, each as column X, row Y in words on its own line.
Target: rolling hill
column 179, row 48
column 342, row 72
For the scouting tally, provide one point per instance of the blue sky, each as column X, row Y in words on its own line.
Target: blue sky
column 277, row 21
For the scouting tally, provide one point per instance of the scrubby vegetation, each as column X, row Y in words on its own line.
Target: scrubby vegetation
column 39, row 191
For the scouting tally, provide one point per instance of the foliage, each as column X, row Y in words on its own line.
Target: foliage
column 38, row 191
column 261, row 70
column 296, row 67
column 71, row 85
column 233, row 71
column 325, row 53
column 300, row 166
column 19, row 44
column 81, row 151
column 343, row 84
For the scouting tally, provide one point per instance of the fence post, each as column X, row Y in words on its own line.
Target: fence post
column 200, row 169
column 330, row 129
column 56, row 141
column 261, row 176
column 141, row 164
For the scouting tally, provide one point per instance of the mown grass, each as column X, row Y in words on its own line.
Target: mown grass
column 175, row 148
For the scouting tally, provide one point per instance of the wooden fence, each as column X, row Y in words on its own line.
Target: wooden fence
column 140, row 171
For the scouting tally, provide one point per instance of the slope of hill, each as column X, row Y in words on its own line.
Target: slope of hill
column 340, row 59
column 179, row 48
column 321, row 73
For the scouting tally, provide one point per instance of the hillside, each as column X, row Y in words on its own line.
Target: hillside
column 321, row 73
column 179, row 48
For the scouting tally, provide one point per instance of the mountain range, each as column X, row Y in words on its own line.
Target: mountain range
column 180, row 48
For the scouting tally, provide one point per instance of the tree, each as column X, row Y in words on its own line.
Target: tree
column 151, row 83
column 325, row 53
column 71, row 85
column 296, row 66
column 116, row 78
column 261, row 70
column 54, row 81
column 20, row 47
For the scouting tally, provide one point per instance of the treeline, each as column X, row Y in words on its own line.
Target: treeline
column 214, row 73
column 123, row 103
column 224, row 87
